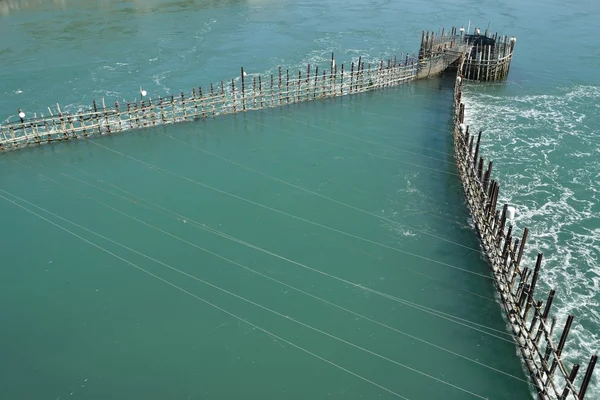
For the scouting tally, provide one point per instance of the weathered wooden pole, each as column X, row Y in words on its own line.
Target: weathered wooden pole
column 243, row 74
column 342, row 81
column 536, row 273
column 315, row 84
column 299, row 86
column 477, row 148
column 544, row 316
column 287, row 86
column 351, row 76
column 182, row 96
column 212, row 99
column 570, row 380
column 233, row 101
column 587, row 377
column 195, row 100
column 308, row 83
column 260, row 91
column 280, row 100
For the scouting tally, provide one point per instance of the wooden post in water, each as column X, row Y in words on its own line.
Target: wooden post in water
column 316, row 80
column 561, row 344
column 201, row 99
column 223, row 97
column 331, row 80
column 308, row 83
column 71, row 128
column 137, row 112
column 151, row 108
column 182, row 96
column 233, row 95
column 95, row 116
column 272, row 102
column 83, row 127
column 470, row 153
column 523, row 241
column 129, row 115
column 260, row 91
column 35, row 130
column 162, row 110
column 195, row 100
column 357, row 77
column 243, row 90
column 351, row 77
column 486, row 177
column 254, row 92
column 117, row 115
column 299, row 86
column 63, row 125
column 361, row 76
column 335, row 80
column 287, row 86
column 280, row 79
column 342, row 81
column 536, row 272
column 106, row 120
column 588, row 376
column 212, row 99
column 477, row 148
column 570, row 380
column 143, row 111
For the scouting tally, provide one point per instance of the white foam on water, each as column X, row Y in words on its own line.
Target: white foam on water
column 546, row 155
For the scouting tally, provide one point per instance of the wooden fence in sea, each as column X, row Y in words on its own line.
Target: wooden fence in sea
column 530, row 320
column 247, row 93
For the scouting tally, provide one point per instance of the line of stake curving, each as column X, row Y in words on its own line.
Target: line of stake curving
column 529, row 318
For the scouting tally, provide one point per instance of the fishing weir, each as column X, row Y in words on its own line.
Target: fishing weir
column 472, row 57
column 530, row 320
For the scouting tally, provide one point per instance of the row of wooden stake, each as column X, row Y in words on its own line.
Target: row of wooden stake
column 254, row 92
column 528, row 317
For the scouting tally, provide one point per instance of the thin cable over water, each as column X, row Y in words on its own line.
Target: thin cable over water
column 378, row 135
column 181, row 217
column 360, row 151
column 440, row 314
column 337, row 202
column 259, row 204
column 209, row 303
column 202, row 226
column 288, row 286
column 323, row 128
column 255, row 304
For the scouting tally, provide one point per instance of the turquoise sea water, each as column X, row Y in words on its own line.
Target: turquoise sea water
column 317, row 251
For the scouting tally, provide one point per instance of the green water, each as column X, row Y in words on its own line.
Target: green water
column 317, row 251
